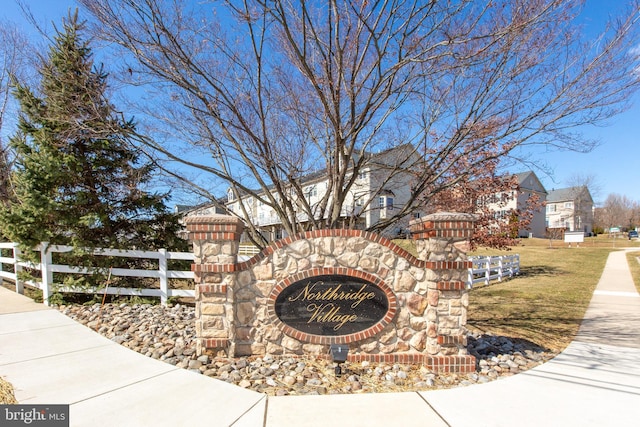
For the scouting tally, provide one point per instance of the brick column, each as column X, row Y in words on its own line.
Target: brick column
column 216, row 240
column 442, row 240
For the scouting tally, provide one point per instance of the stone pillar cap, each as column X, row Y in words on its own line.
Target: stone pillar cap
column 213, row 219
column 447, row 216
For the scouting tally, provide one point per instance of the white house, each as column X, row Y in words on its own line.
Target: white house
column 517, row 199
column 375, row 195
column 570, row 209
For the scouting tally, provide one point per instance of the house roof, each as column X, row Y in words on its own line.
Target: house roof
column 568, row 194
column 391, row 157
column 529, row 181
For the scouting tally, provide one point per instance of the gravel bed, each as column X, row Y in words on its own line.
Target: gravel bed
column 168, row 334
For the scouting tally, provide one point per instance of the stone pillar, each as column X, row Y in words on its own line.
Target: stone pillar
column 216, row 240
column 442, row 240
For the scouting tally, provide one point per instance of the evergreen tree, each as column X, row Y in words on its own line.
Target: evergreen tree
column 78, row 177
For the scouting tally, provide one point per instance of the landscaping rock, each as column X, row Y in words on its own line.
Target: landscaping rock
column 168, row 334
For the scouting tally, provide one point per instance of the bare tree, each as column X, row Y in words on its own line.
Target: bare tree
column 258, row 95
column 13, row 45
column 588, row 180
column 617, row 211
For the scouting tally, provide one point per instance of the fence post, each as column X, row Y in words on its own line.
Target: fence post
column 487, row 272
column 162, row 271
column 500, row 267
column 17, row 268
column 47, row 274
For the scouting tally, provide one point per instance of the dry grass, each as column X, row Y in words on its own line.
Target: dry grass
column 547, row 302
column 6, row 393
column 633, row 258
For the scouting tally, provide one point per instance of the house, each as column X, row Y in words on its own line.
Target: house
column 380, row 187
column 528, row 186
column 570, row 209
column 529, row 189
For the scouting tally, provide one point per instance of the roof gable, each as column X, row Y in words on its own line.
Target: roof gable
column 569, row 194
column 529, row 181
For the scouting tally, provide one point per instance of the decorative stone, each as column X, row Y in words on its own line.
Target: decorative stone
column 291, row 344
column 419, row 341
column 325, row 247
column 432, row 330
column 368, row 264
column 301, row 248
column 349, row 259
column 212, row 309
column 303, row 264
column 405, row 282
column 244, row 278
column 388, row 336
column 403, row 318
column 433, row 297
column 264, row 271
column 416, row 304
column 245, row 312
column 418, row 323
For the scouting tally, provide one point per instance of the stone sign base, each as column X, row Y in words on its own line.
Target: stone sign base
column 303, row 293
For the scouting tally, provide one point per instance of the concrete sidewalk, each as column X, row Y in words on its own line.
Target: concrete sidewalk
column 595, row 382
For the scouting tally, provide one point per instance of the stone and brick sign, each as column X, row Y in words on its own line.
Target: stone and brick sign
column 303, row 293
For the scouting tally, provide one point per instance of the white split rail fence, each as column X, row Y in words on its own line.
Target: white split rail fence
column 47, row 268
column 484, row 269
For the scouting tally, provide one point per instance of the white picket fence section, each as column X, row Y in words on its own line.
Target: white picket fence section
column 47, row 268
column 484, row 269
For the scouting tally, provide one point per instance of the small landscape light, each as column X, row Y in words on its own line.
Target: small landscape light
column 338, row 355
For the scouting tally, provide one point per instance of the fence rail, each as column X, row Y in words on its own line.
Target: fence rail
column 47, row 268
column 487, row 268
column 483, row 270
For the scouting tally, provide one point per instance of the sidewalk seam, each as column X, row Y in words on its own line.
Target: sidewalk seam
column 127, row 385
column 57, row 354
column 44, row 328
column 433, row 409
column 266, row 408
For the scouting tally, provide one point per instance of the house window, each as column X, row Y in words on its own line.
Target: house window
column 568, row 205
column 551, row 207
column 386, row 202
column 230, row 196
column 311, row 191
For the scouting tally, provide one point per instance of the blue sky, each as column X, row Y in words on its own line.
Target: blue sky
column 615, row 164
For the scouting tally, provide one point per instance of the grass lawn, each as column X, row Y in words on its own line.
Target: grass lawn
column 633, row 258
column 547, row 302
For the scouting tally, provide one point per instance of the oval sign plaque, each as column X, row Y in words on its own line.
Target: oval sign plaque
column 331, row 305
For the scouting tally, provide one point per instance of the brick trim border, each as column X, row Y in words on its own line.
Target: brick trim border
column 215, row 343
column 337, row 339
column 441, row 364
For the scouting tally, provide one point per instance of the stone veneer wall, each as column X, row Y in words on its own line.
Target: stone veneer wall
column 235, row 313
